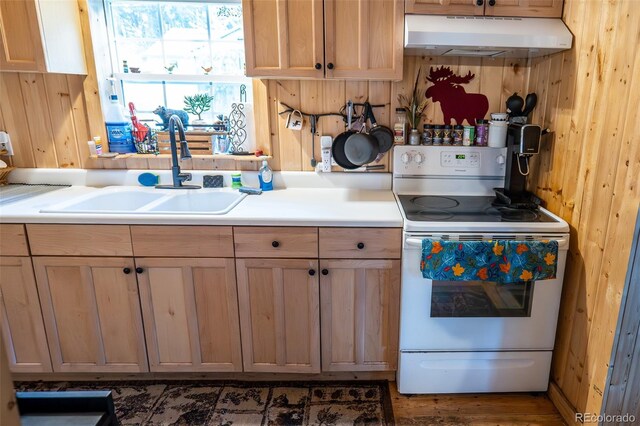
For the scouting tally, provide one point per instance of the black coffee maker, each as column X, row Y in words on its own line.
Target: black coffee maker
column 523, row 141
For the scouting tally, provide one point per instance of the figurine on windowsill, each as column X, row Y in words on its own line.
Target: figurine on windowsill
column 171, row 67
column 206, row 70
column 166, row 113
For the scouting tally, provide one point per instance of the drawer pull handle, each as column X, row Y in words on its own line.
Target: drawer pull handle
column 139, row 270
column 275, row 244
column 127, row 270
column 330, row 65
column 360, row 246
column 318, row 66
column 325, row 272
column 312, row 272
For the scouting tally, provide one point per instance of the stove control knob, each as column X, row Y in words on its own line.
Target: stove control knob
column 418, row 158
column 500, row 159
column 405, row 158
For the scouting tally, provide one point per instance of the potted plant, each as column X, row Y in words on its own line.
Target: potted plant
column 414, row 106
column 198, row 104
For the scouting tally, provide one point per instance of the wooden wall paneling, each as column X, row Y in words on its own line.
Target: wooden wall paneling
column 334, row 98
column 310, row 95
column 33, row 93
column 262, row 124
column 288, row 91
column 380, row 93
column 60, row 111
column 514, row 78
column 491, row 82
column 81, row 121
column 16, row 121
column 274, row 121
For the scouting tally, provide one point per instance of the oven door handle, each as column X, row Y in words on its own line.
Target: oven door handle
column 417, row 242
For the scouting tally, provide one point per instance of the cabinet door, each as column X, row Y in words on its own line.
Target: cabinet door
column 91, row 312
column 446, row 7
column 20, row 41
column 364, row 39
column 360, row 302
column 190, row 312
column 283, row 38
column 21, row 318
column 524, row 8
column 279, row 316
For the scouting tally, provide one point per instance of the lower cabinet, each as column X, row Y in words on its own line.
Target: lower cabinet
column 190, row 311
column 360, row 304
column 279, row 315
column 21, row 318
column 91, row 312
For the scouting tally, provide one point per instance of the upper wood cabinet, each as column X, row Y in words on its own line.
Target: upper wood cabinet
column 341, row 39
column 190, row 311
column 41, row 36
column 21, row 318
column 522, row 8
column 279, row 315
column 91, row 311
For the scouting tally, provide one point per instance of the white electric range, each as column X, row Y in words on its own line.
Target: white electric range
column 470, row 336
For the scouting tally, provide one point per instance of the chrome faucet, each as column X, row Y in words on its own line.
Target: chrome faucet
column 178, row 177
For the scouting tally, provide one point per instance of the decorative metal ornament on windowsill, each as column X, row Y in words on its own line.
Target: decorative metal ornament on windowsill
column 238, row 123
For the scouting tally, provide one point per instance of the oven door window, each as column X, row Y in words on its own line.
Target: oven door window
column 481, row 299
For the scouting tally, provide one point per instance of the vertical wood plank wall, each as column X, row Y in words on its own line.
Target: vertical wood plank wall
column 48, row 119
column 496, row 78
column 589, row 174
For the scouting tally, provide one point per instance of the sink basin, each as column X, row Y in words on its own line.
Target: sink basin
column 219, row 202
column 132, row 200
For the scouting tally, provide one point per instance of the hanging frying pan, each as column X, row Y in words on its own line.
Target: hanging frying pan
column 361, row 148
column 383, row 134
column 337, row 149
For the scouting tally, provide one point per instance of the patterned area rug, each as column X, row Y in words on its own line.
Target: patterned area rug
column 241, row 403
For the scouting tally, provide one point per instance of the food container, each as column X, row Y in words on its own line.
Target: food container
column 468, row 135
column 447, row 135
column 498, row 134
column 458, row 132
column 427, row 134
column 482, row 132
column 438, row 133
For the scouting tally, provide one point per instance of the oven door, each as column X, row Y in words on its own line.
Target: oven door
column 474, row 315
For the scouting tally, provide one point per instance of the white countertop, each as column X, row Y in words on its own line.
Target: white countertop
column 303, row 199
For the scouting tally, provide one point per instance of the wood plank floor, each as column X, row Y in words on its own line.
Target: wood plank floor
column 474, row 409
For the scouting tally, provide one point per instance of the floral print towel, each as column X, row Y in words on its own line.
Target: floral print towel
column 502, row 261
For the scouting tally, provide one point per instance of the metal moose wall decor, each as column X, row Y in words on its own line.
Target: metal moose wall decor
column 455, row 102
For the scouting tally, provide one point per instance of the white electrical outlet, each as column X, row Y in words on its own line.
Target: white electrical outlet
column 325, row 145
column 5, row 144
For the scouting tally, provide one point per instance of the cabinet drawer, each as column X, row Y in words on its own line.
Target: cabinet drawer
column 182, row 241
column 360, row 243
column 255, row 241
column 80, row 240
column 13, row 240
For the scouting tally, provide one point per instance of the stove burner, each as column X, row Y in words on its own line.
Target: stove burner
column 435, row 202
column 434, row 214
column 510, row 214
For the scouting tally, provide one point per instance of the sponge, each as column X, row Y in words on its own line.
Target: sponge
column 148, row 179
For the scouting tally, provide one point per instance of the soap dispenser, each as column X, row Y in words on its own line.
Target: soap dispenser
column 265, row 176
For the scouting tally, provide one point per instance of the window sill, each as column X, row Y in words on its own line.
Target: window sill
column 183, row 78
column 247, row 158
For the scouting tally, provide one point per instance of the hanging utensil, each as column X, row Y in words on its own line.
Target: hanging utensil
column 514, row 105
column 361, row 148
column 337, row 149
column 530, row 103
column 313, row 119
column 383, row 134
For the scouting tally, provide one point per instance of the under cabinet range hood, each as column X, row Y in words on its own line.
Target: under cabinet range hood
column 487, row 36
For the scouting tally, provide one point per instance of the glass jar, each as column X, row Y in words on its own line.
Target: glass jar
column 458, row 132
column 438, row 133
column 427, row 134
column 400, row 127
column 414, row 137
column 482, row 132
column 446, row 135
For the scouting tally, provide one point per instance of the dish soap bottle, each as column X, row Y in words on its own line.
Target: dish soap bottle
column 265, row 176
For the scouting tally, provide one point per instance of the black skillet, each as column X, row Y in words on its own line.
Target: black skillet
column 383, row 134
column 337, row 149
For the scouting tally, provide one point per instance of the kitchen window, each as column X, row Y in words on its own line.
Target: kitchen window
column 173, row 49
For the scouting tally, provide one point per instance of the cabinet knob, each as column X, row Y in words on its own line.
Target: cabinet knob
column 330, row 65
column 139, row 270
column 325, row 272
column 360, row 246
column 318, row 66
column 275, row 244
column 127, row 270
column 480, row 2
column 312, row 272
column 492, row 2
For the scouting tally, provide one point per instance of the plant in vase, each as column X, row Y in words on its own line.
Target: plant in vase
column 414, row 105
column 196, row 105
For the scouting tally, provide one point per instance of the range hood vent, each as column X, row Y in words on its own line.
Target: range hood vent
column 485, row 36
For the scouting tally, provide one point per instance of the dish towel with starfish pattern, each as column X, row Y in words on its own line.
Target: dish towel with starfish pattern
column 501, row 261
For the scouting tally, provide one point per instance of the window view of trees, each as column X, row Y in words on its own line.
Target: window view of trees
column 178, row 39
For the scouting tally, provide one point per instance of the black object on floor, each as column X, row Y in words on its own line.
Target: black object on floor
column 86, row 408
column 240, row 403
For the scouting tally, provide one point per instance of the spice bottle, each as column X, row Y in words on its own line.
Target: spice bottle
column 438, row 133
column 446, row 136
column 400, row 127
column 482, row 132
column 458, row 132
column 427, row 134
